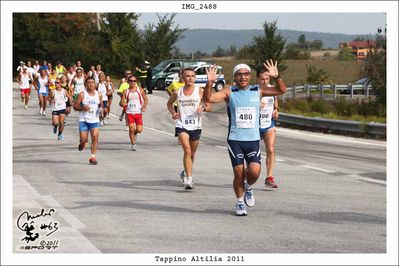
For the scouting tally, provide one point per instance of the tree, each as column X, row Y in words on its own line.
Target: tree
column 123, row 40
column 317, row 76
column 345, row 54
column 293, row 52
column 302, row 43
column 160, row 39
column 219, row 52
column 375, row 69
column 268, row 46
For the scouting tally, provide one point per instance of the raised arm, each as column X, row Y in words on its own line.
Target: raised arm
column 273, row 71
column 208, row 96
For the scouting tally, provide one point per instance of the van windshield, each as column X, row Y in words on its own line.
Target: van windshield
column 162, row 65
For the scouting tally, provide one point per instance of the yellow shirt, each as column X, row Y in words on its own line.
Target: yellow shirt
column 52, row 78
column 124, row 86
column 175, row 85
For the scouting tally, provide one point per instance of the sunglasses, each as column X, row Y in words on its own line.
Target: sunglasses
column 57, row 82
column 132, row 80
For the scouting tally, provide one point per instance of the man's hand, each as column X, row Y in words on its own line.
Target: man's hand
column 176, row 116
column 271, row 68
column 211, row 73
column 275, row 113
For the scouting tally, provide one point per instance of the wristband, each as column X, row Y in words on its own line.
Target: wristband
column 278, row 77
column 203, row 108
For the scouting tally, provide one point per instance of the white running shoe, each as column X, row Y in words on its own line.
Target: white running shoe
column 41, row 111
column 44, row 113
column 108, row 117
column 26, row 107
column 134, row 147
column 249, row 197
column 189, row 184
column 104, row 122
column 182, row 176
column 240, row 209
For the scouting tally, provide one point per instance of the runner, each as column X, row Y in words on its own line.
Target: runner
column 24, row 80
column 111, row 88
column 188, row 121
column 102, row 90
column 268, row 114
column 135, row 102
column 87, row 104
column 65, row 86
column 123, row 86
column 41, row 85
column 77, row 83
column 243, row 101
column 58, row 98
column 60, row 69
column 36, row 67
column 71, row 73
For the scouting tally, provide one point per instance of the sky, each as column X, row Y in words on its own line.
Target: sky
column 345, row 23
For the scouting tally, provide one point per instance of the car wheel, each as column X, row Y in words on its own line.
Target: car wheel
column 219, row 86
column 160, row 85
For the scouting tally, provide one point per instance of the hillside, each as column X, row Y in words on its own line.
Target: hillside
column 207, row 40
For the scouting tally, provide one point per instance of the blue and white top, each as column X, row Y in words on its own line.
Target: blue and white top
column 243, row 112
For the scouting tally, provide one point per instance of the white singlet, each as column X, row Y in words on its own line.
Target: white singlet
column 91, row 116
column 190, row 119
column 135, row 102
column 59, row 100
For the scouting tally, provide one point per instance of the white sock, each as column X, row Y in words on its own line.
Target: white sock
column 240, row 199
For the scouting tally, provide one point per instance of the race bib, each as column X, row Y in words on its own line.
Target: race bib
column 245, row 117
column 190, row 120
column 265, row 116
column 134, row 105
column 58, row 104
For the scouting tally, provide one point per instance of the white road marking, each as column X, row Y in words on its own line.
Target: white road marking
column 317, row 168
column 332, row 137
column 371, row 180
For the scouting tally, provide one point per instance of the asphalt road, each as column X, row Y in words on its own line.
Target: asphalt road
column 331, row 196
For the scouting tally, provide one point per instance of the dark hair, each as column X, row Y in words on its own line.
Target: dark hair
column 260, row 70
column 89, row 78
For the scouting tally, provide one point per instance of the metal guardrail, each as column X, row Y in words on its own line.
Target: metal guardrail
column 370, row 128
column 322, row 89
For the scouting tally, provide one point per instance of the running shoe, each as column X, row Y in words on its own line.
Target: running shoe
column 182, row 176
column 80, row 147
column 249, row 197
column 101, row 123
column 240, row 209
column 92, row 161
column 104, row 122
column 134, row 147
column 61, row 137
column 26, row 107
column 44, row 113
column 41, row 111
column 189, row 184
column 108, row 117
column 269, row 182
column 121, row 116
column 55, row 129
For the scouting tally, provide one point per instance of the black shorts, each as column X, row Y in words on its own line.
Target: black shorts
column 240, row 150
column 110, row 97
column 68, row 103
column 59, row 112
column 194, row 134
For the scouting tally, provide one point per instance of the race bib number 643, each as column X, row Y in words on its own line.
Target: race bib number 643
column 245, row 117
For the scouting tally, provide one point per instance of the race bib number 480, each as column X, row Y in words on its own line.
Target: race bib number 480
column 245, row 117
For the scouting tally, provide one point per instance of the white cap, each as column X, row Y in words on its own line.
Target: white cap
column 146, row 62
column 21, row 62
column 239, row 66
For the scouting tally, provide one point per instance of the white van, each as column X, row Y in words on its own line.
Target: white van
column 201, row 77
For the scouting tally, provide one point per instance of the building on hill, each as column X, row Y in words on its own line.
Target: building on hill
column 359, row 48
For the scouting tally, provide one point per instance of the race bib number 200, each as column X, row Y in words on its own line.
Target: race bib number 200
column 245, row 117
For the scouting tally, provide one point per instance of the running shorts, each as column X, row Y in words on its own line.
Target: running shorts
column 135, row 119
column 240, row 150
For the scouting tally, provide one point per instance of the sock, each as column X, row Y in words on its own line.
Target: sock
column 240, row 199
column 93, row 156
column 247, row 186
